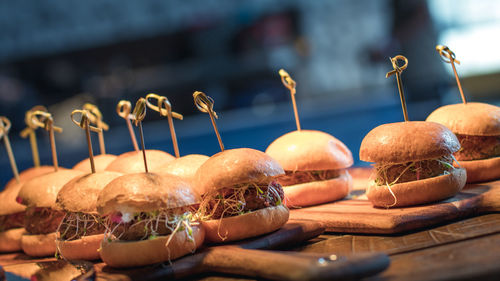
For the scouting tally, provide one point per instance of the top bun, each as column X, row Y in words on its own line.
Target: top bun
column 407, row 141
column 30, row 173
column 145, row 192
column 101, row 161
column 42, row 190
column 307, row 150
column 235, row 166
column 132, row 162
column 185, row 167
column 473, row 118
column 80, row 194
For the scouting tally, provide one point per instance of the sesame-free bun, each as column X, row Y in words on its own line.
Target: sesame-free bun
column 145, row 192
column 30, row 173
column 42, row 190
column 10, row 240
column 407, row 141
column 482, row 170
column 133, row 162
column 235, row 166
column 417, row 192
column 138, row 253
column 472, row 118
column 80, row 194
column 247, row 225
column 85, row 248
column 185, row 167
column 101, row 162
column 307, row 150
column 39, row 245
column 317, row 192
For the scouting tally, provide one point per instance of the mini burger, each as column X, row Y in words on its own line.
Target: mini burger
column 149, row 220
column 81, row 230
column 132, row 162
column 315, row 166
column 477, row 127
column 43, row 216
column 413, row 164
column 185, row 167
column 101, row 162
column 241, row 197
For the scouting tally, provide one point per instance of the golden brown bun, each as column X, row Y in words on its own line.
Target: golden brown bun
column 407, row 141
column 473, row 118
column 85, row 248
column 145, row 192
column 39, row 245
column 30, row 173
column 10, row 240
column 234, row 166
column 417, row 192
column 144, row 252
column 317, row 192
column 42, row 191
column 185, row 167
column 133, row 162
column 307, row 150
column 247, row 225
column 101, row 162
column 80, row 194
column 482, row 170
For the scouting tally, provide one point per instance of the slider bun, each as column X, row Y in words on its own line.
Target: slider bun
column 407, row 141
column 80, row 194
column 39, row 245
column 473, row 118
column 482, row 170
column 100, row 161
column 417, row 192
column 186, row 166
column 10, row 240
column 133, row 162
column 307, row 150
column 85, row 248
column 30, row 173
column 145, row 192
column 235, row 166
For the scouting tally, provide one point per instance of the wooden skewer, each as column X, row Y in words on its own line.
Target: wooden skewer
column 205, row 104
column 4, row 132
column 84, row 123
column 139, row 115
column 397, row 70
column 123, row 109
column 29, row 131
column 291, row 85
column 44, row 120
column 95, row 117
column 445, row 54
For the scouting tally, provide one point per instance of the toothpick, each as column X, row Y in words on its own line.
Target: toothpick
column 165, row 109
column 446, row 53
column 84, row 123
column 205, row 104
column 95, row 117
column 47, row 122
column 30, row 131
column 397, row 70
column 290, row 84
column 139, row 114
column 123, row 109
column 4, row 132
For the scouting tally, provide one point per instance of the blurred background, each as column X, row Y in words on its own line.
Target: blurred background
column 64, row 53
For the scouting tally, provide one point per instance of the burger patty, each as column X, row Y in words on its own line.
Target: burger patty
column 478, row 147
column 298, row 177
column 42, row 220
column 11, row 221
column 76, row 225
column 228, row 202
column 412, row 171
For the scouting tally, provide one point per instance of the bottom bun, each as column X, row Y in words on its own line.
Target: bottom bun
column 39, row 245
column 85, row 248
column 417, row 192
column 144, row 252
column 317, row 192
column 10, row 240
column 482, row 170
column 247, row 225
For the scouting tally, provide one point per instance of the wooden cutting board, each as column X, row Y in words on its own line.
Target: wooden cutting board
column 355, row 214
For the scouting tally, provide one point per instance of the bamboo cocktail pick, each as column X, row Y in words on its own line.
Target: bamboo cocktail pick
column 138, row 115
column 290, row 84
column 84, row 123
column 398, row 70
column 29, row 131
column 44, row 120
column 95, row 117
column 205, row 104
column 4, row 133
column 448, row 56
column 165, row 109
column 123, row 108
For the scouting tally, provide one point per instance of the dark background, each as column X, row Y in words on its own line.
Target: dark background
column 64, row 53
